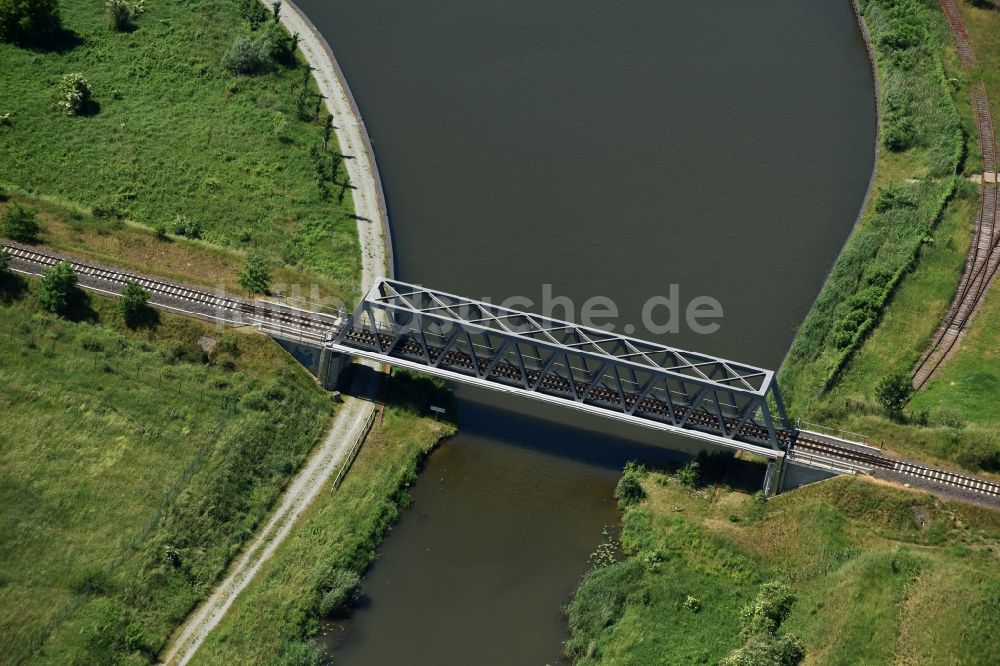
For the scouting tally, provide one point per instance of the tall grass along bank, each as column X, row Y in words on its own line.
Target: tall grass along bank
column 133, row 465
column 843, row 572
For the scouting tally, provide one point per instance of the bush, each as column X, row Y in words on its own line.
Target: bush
column 893, row 392
column 690, row 474
column 187, row 226
column 123, row 13
column 768, row 610
column 160, row 230
column 4, row 262
column 58, row 288
column 255, row 276
column 253, row 12
column 20, row 223
column 766, row 650
column 74, row 94
column 248, row 55
column 629, row 489
column 342, row 589
column 28, row 21
column 132, row 303
column 280, row 45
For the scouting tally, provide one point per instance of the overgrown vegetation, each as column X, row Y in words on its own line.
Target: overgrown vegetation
column 916, row 178
column 278, row 615
column 20, row 223
column 843, row 572
column 171, row 133
column 133, row 465
column 952, row 418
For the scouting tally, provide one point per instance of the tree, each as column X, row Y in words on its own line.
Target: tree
column 253, row 13
column 4, row 262
column 133, row 303
column 893, row 392
column 20, row 223
column 629, row 489
column 75, row 94
column 58, row 288
column 256, row 274
column 123, row 13
column 28, row 21
column 248, row 55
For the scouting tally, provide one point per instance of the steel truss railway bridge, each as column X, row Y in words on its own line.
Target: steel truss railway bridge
column 714, row 400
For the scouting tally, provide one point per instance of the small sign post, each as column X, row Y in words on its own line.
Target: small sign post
column 437, row 412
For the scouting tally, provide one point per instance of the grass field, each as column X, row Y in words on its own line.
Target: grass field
column 132, row 468
column 277, row 614
column 176, row 134
column 879, row 575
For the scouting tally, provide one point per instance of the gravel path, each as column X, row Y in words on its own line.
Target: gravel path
column 359, row 158
column 350, row 423
column 352, row 418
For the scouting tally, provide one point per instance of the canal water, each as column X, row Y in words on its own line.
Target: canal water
column 577, row 149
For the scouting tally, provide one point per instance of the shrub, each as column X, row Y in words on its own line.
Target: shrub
column 132, row 303
column 123, row 13
column 342, row 589
column 248, row 55
column 28, row 21
column 253, row 13
column 768, row 610
column 4, row 262
column 20, row 223
column 893, row 392
column 58, row 288
column 255, row 276
column 160, row 230
column 280, row 45
column 74, row 94
column 690, row 474
column 766, row 650
column 629, row 489
column 187, row 226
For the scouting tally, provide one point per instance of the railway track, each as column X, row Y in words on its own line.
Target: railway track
column 983, row 262
column 199, row 302
column 877, row 461
column 958, row 29
column 984, row 125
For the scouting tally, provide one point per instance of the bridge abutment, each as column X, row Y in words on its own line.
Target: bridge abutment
column 773, row 477
column 324, row 364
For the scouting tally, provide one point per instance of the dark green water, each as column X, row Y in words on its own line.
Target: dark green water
column 602, row 148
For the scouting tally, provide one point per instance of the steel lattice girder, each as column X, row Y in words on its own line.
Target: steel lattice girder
column 586, row 365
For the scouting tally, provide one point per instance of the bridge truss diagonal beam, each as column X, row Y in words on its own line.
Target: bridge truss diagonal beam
column 529, row 353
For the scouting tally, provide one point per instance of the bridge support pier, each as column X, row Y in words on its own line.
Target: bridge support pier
column 773, row 476
column 331, row 364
